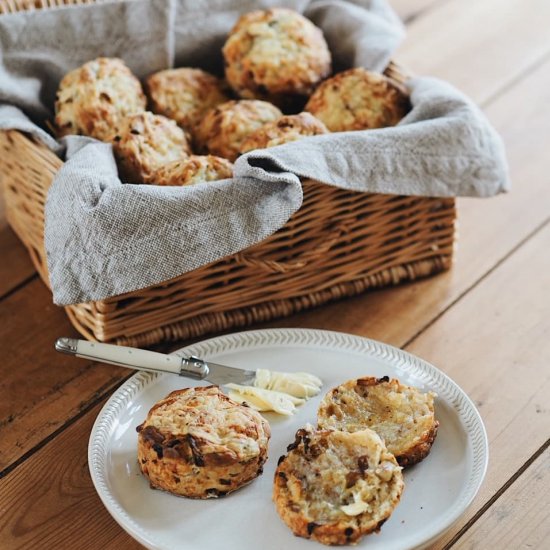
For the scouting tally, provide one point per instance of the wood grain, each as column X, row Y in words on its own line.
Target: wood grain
column 520, row 518
column 495, row 344
column 41, row 389
column 50, row 501
column 481, row 47
column 16, row 266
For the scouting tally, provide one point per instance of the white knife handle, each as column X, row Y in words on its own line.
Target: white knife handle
column 133, row 358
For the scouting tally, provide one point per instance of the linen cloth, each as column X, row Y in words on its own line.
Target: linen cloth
column 105, row 238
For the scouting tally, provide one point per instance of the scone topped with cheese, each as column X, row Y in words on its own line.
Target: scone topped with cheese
column 184, row 94
column 194, row 169
column 93, row 99
column 276, row 53
column 401, row 415
column 144, row 143
column 358, row 99
column 224, row 128
column 199, row 443
column 334, row 487
column 284, row 130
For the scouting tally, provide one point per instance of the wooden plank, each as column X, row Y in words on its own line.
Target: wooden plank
column 478, row 46
column 494, row 343
column 520, row 518
column 494, row 226
column 50, row 501
column 41, row 389
column 16, row 266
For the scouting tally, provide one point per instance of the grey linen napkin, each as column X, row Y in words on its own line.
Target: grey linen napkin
column 104, row 238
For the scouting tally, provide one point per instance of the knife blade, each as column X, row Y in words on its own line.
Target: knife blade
column 140, row 359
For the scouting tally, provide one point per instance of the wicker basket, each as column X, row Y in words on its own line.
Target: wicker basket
column 339, row 243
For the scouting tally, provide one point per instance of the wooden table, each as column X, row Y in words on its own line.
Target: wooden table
column 486, row 323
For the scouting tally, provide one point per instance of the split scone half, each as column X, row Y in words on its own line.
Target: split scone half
column 334, row 487
column 402, row 416
column 199, row 443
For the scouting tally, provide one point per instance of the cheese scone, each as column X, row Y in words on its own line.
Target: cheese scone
column 94, row 99
column 334, row 487
column 144, row 143
column 275, row 54
column 284, row 130
column 194, row 169
column 402, row 416
column 199, row 443
column 358, row 99
column 184, row 94
column 224, row 128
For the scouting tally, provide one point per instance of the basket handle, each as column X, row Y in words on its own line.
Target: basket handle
column 317, row 249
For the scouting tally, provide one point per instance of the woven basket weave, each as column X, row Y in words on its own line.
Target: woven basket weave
column 340, row 243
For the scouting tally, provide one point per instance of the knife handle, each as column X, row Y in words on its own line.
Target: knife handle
column 121, row 356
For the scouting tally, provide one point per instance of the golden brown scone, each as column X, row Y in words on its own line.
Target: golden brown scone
column 184, row 94
column 275, row 53
column 402, row 416
column 93, row 99
column 199, row 443
column 224, row 128
column 283, row 130
column 144, row 143
column 195, row 169
column 334, row 487
column 357, row 100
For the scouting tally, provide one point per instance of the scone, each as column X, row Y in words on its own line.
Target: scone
column 199, row 443
column 274, row 54
column 194, row 169
column 283, row 130
column 184, row 95
column 144, row 143
column 402, row 416
column 93, row 99
column 357, row 100
column 334, row 487
column 224, row 128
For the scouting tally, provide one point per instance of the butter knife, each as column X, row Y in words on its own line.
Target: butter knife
column 140, row 359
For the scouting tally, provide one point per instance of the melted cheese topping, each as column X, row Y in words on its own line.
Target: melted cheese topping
column 210, row 417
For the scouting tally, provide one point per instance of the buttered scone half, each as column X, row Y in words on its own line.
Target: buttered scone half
column 184, row 95
column 284, row 130
column 334, row 487
column 224, row 128
column 144, row 143
column 93, row 99
column 275, row 54
column 199, row 443
column 358, row 99
column 194, row 169
column 402, row 416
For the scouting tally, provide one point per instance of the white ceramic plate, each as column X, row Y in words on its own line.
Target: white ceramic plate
column 437, row 491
